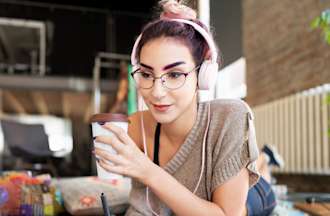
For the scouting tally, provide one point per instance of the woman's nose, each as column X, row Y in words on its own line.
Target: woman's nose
column 158, row 90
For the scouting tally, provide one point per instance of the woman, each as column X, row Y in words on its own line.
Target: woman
column 185, row 157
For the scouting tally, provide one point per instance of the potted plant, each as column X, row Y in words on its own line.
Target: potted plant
column 323, row 22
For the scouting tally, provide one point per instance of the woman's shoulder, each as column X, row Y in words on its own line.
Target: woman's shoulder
column 136, row 118
column 135, row 126
column 230, row 107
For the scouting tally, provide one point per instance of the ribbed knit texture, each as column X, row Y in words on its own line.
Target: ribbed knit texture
column 227, row 152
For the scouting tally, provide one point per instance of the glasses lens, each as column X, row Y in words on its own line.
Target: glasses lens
column 174, row 80
column 143, row 79
column 171, row 80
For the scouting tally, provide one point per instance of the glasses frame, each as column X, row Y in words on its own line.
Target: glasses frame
column 162, row 80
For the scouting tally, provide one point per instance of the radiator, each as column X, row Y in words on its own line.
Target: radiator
column 297, row 126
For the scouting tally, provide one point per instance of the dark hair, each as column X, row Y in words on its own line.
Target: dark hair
column 181, row 31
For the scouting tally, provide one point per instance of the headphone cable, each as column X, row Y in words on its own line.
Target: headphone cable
column 203, row 152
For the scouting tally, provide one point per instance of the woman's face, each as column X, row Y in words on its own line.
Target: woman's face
column 168, row 55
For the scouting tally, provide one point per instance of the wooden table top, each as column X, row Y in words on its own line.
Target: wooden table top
column 319, row 209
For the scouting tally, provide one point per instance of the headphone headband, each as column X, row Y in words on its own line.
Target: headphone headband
column 202, row 31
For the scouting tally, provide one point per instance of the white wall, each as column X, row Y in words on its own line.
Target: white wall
column 231, row 82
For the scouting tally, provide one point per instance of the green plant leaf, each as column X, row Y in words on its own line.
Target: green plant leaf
column 315, row 23
column 326, row 33
column 325, row 16
column 323, row 22
column 328, row 39
column 328, row 99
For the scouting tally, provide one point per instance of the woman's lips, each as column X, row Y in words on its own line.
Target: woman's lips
column 161, row 108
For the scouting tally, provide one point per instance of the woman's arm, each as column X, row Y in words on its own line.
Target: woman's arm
column 228, row 199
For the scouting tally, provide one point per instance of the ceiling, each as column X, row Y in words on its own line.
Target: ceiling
column 110, row 5
column 64, row 104
column 68, row 104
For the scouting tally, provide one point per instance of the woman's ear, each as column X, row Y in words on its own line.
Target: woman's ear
column 208, row 54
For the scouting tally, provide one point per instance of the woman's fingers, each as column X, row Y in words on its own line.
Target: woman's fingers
column 112, row 141
column 126, row 161
column 118, row 169
column 119, row 132
column 114, row 158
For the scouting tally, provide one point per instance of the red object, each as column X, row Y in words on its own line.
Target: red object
column 87, row 200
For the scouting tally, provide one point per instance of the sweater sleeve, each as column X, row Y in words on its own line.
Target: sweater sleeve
column 236, row 146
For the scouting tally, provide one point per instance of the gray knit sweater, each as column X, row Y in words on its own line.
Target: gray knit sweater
column 228, row 150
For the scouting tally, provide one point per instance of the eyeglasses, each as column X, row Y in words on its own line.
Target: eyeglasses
column 170, row 80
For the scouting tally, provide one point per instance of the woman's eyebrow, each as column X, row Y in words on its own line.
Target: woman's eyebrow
column 166, row 67
column 146, row 66
column 173, row 65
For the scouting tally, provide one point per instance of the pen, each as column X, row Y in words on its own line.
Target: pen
column 105, row 205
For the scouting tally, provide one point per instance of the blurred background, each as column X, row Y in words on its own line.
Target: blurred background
column 61, row 61
column 48, row 51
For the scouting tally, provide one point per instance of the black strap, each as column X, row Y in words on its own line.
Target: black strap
column 156, row 144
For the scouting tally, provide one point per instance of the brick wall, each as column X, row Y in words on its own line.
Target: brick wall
column 283, row 54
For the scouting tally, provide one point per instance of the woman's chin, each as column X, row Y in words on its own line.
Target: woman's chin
column 161, row 117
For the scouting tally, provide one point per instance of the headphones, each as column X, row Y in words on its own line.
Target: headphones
column 208, row 69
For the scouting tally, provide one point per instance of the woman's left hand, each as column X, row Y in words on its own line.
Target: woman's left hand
column 129, row 160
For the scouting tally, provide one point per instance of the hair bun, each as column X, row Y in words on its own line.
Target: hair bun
column 174, row 10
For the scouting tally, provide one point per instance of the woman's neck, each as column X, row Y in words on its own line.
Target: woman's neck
column 177, row 131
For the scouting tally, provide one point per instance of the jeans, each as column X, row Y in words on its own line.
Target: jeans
column 261, row 199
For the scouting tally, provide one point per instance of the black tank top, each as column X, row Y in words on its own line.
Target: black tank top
column 156, row 144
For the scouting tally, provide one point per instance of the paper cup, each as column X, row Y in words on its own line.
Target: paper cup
column 97, row 121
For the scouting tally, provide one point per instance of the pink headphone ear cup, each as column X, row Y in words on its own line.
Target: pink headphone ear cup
column 134, row 67
column 207, row 75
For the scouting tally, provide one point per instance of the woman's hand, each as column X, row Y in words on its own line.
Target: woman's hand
column 130, row 160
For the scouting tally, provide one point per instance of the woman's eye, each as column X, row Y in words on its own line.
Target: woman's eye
column 145, row 75
column 174, row 75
